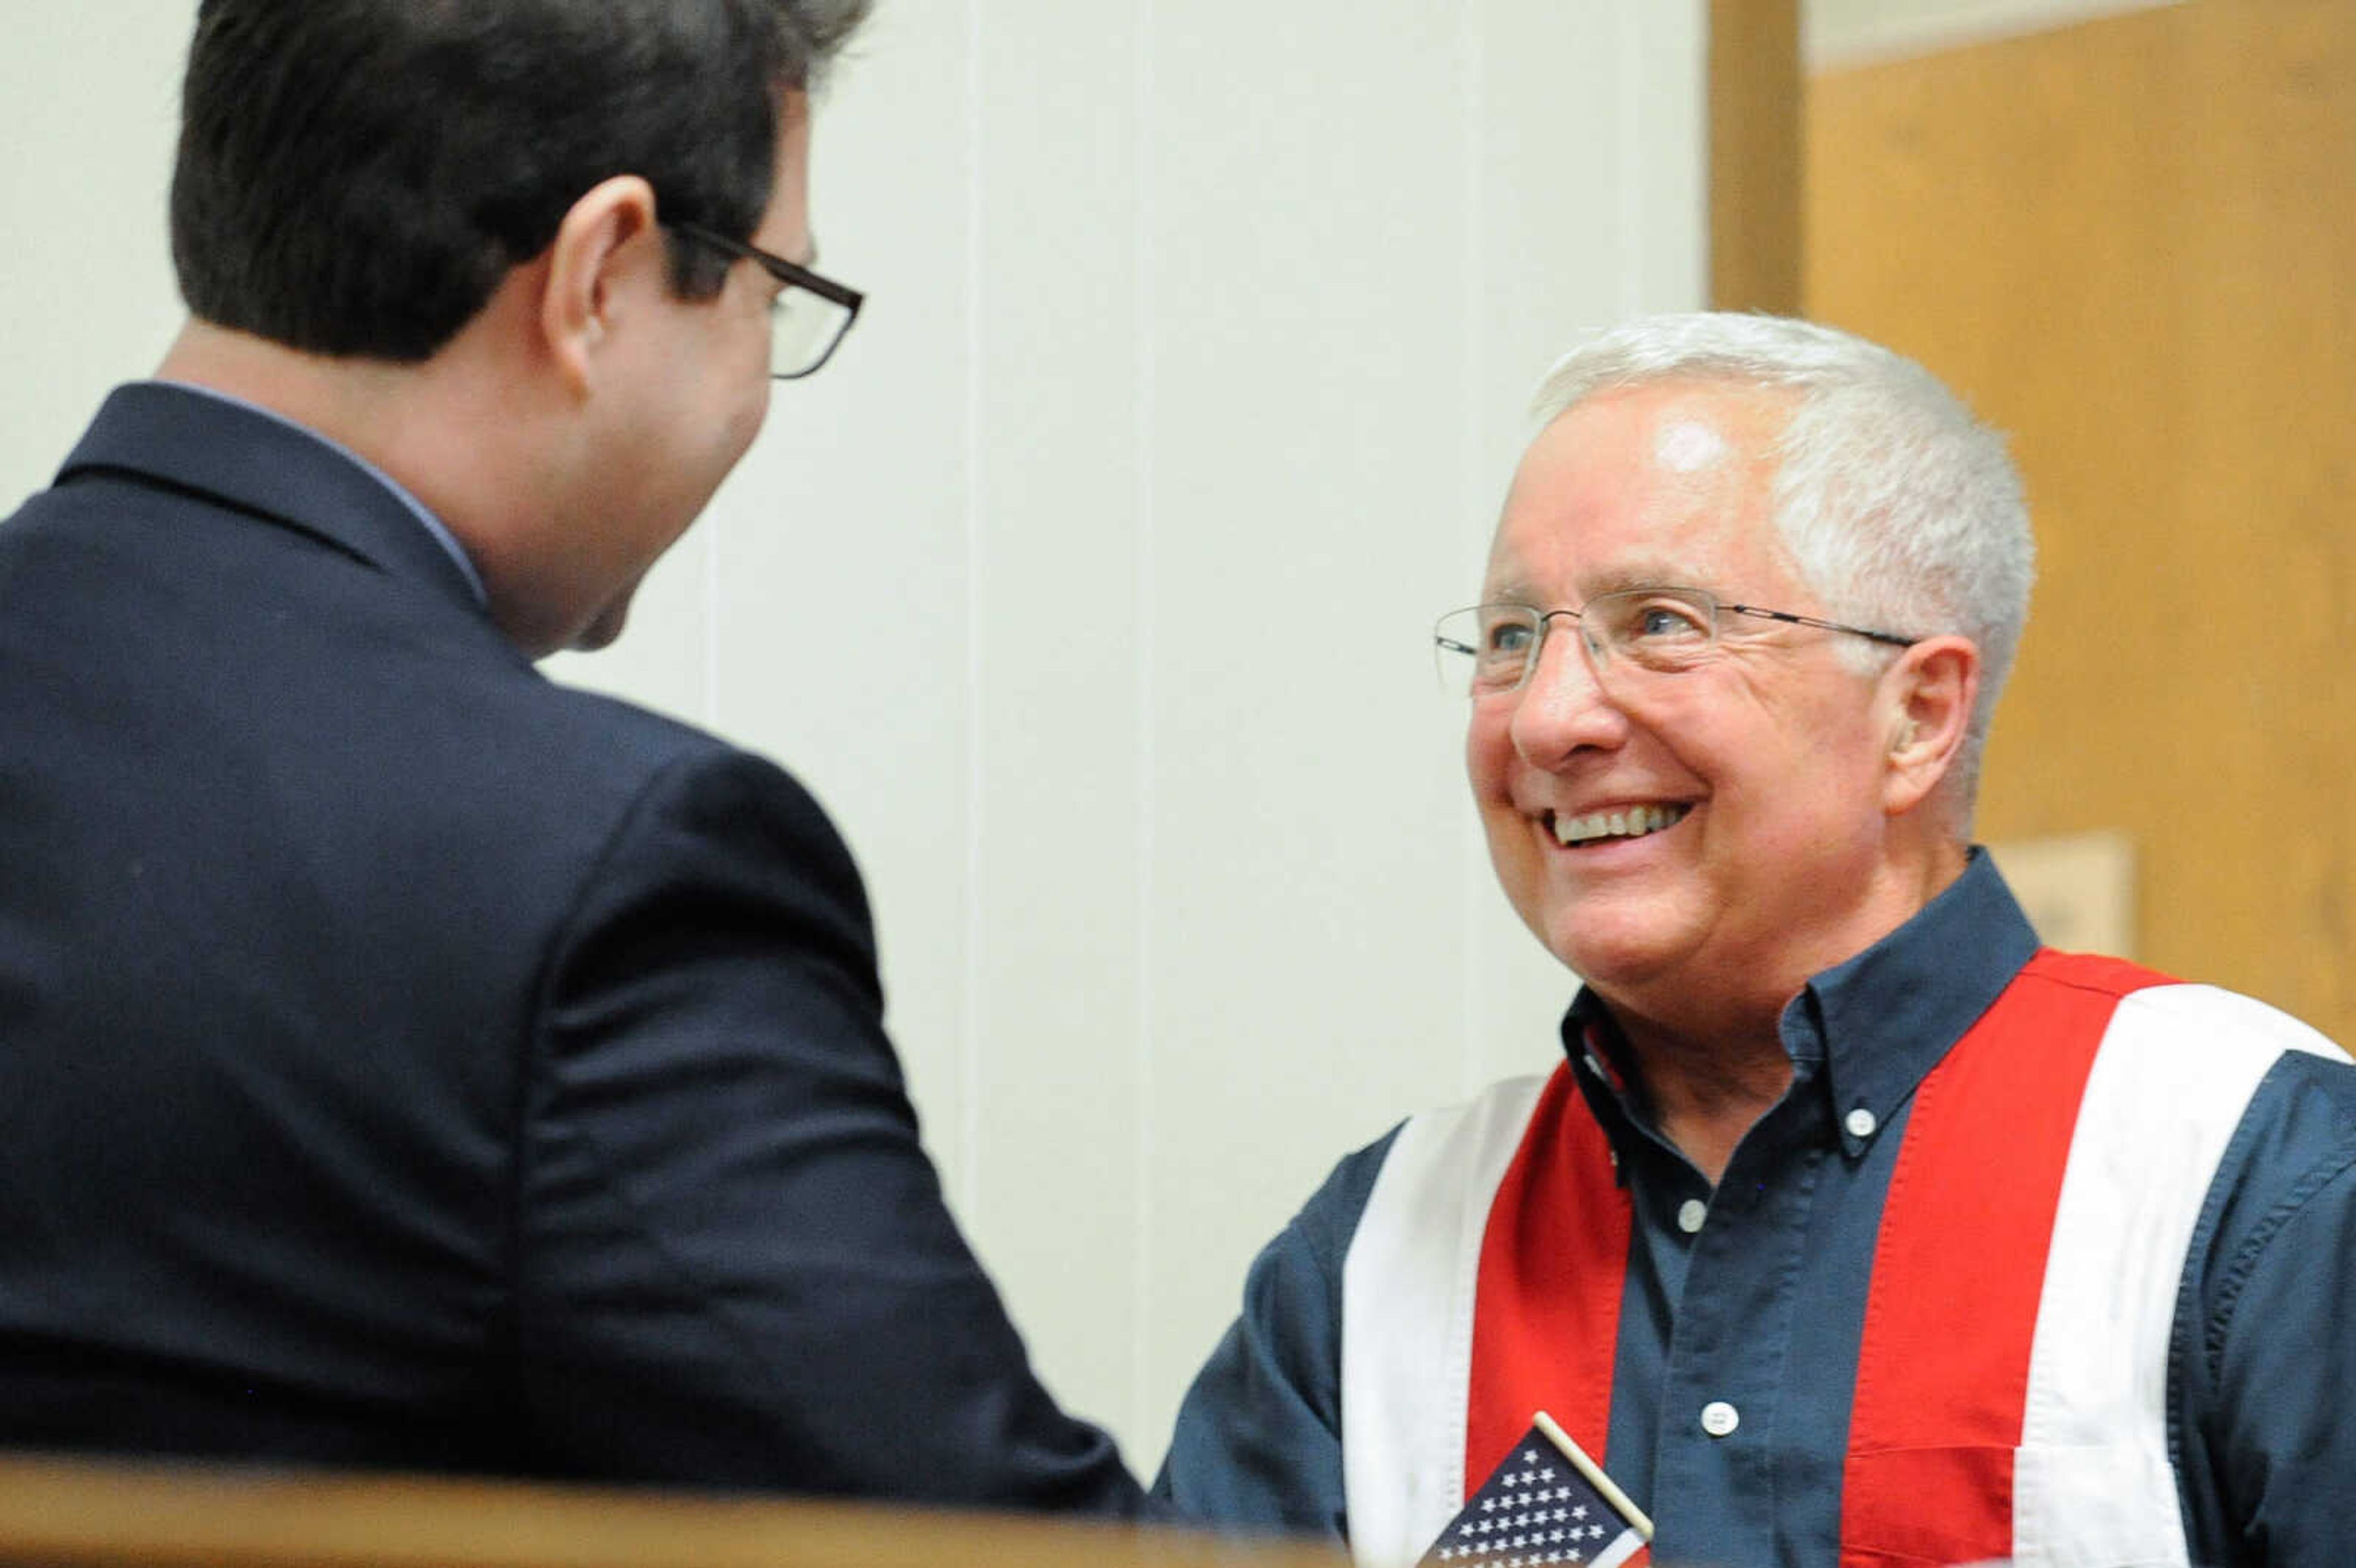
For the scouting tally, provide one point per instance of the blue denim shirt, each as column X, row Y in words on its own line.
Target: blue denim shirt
column 1763, row 1305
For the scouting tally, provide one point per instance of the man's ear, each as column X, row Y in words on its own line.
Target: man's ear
column 587, row 262
column 1930, row 693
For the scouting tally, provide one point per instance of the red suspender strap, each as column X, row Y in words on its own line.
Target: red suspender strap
column 1943, row 1368
column 1546, row 1315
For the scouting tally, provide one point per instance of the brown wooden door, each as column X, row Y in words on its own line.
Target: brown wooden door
column 2131, row 244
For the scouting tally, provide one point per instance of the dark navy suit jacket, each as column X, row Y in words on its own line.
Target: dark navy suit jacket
column 405, row 1060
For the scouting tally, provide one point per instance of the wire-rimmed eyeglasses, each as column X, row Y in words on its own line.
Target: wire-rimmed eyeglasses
column 809, row 317
column 1657, row 631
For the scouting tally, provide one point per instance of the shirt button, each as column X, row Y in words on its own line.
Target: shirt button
column 1690, row 1214
column 1719, row 1418
column 1860, row 1123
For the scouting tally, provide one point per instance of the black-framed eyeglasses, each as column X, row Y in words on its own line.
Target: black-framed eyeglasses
column 810, row 314
column 1653, row 631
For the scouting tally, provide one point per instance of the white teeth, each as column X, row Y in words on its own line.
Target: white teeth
column 1626, row 823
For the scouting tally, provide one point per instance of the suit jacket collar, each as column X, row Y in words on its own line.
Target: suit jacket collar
column 159, row 433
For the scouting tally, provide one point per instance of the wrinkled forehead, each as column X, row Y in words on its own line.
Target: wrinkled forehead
column 1667, row 484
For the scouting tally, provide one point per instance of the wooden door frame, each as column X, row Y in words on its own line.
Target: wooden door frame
column 1755, row 82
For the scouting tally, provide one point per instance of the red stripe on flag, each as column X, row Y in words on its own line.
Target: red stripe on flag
column 1959, row 1267
column 1546, row 1315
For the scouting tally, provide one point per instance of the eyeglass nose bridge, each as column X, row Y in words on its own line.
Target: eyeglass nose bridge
column 1597, row 656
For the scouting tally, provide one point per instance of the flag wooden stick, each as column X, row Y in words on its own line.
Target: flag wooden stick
column 1594, row 1474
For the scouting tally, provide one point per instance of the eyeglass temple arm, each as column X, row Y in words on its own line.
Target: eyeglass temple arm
column 1892, row 638
column 792, row 273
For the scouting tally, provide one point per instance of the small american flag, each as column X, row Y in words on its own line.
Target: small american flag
column 1549, row 1503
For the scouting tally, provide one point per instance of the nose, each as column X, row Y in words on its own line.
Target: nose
column 1565, row 707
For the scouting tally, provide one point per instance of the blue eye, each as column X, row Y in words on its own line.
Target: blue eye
column 1665, row 620
column 1665, row 629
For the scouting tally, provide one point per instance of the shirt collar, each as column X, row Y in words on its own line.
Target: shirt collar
column 1871, row 1027
column 417, row 509
column 1884, row 1019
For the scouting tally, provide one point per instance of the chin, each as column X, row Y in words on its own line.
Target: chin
column 604, row 628
column 1611, row 951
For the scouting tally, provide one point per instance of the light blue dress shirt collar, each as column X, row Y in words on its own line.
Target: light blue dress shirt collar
column 417, row 509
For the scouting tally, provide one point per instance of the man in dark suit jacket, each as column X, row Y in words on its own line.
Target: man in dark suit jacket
column 405, row 1060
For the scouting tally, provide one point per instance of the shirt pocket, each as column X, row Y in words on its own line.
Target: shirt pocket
column 1926, row 1506
column 2097, row 1505
column 2087, row 1506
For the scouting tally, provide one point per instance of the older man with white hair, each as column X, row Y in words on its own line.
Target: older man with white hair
column 1855, row 1227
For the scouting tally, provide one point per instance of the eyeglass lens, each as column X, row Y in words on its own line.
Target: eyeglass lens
column 1658, row 631
column 803, row 328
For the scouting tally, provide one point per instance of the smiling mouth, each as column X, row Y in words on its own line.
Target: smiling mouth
column 1627, row 822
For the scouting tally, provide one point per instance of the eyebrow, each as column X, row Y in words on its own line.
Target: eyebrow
column 1655, row 573
column 1622, row 579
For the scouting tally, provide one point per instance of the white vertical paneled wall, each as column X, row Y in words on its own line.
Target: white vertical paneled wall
column 88, row 106
column 1089, row 585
